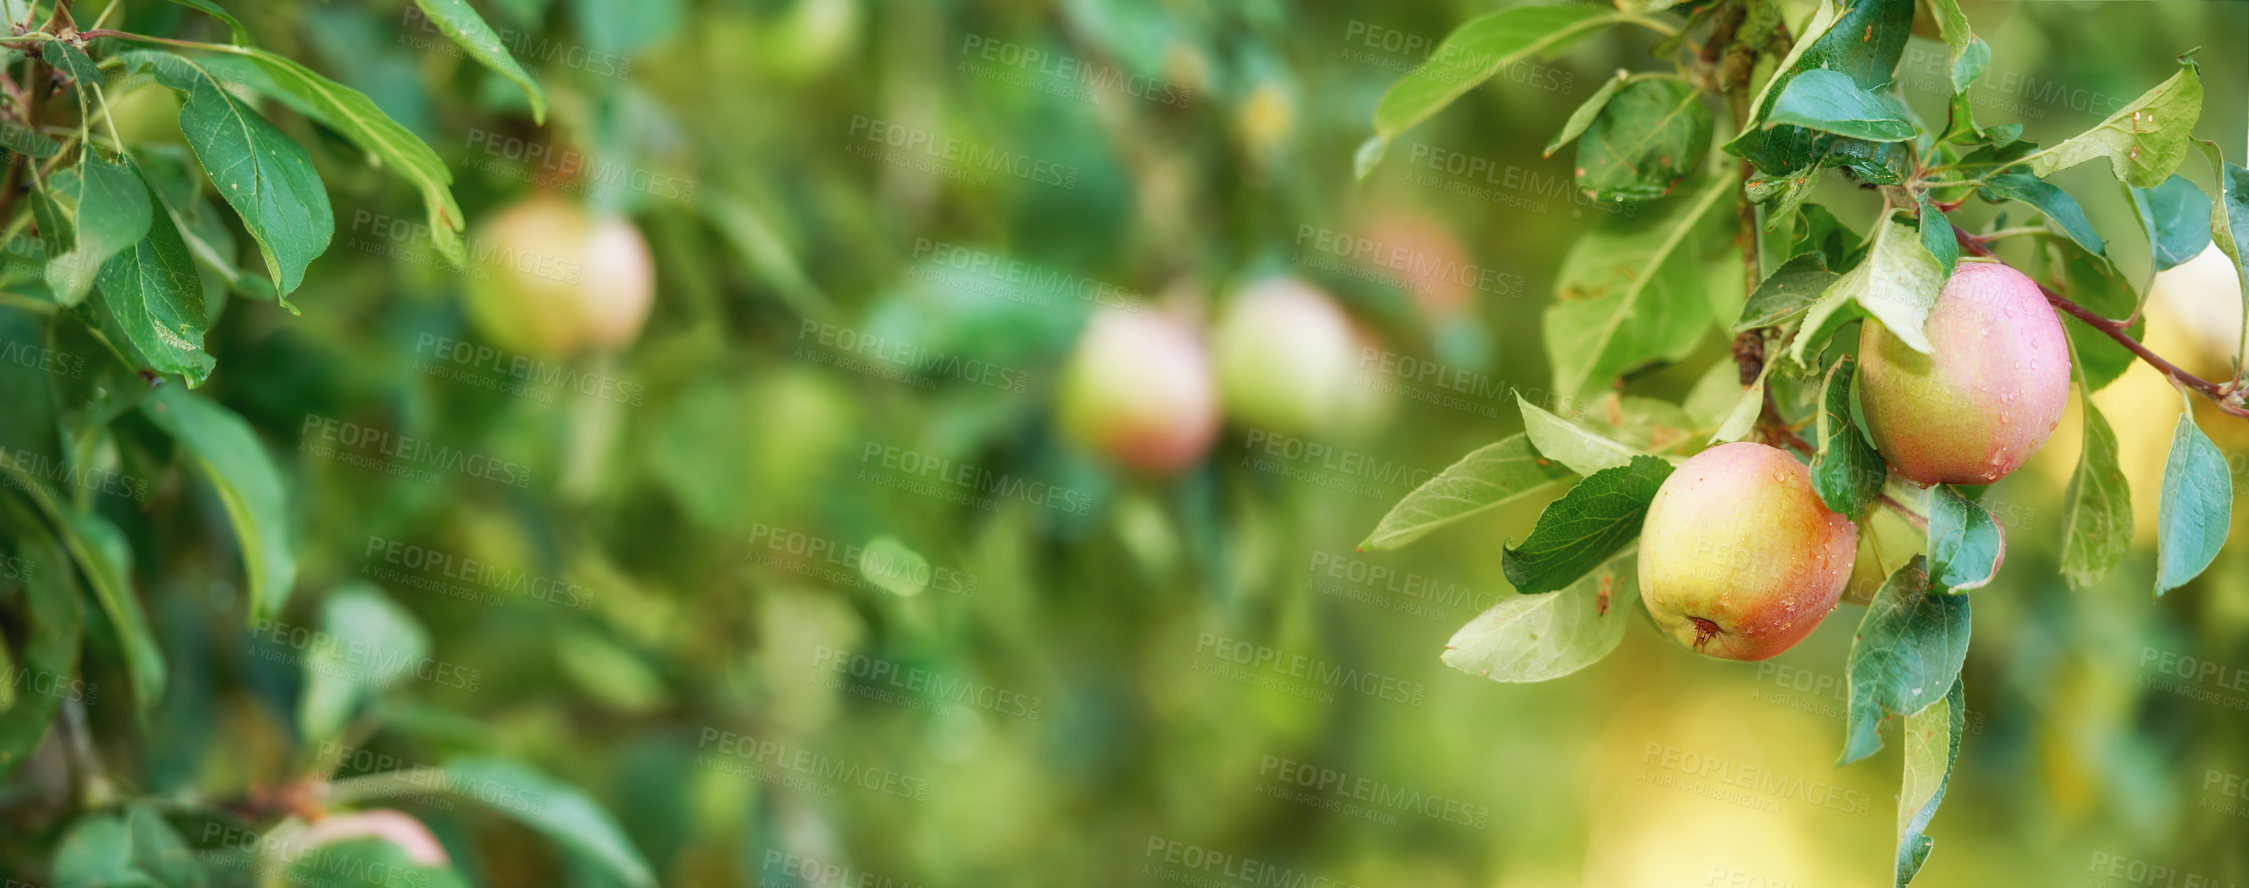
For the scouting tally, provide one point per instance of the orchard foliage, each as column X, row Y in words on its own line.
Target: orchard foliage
column 1722, row 149
column 126, row 252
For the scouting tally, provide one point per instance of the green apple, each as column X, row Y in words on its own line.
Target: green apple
column 547, row 278
column 1139, row 391
column 1989, row 396
column 1739, row 559
column 1287, row 358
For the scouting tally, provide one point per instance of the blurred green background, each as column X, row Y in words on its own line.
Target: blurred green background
column 731, row 609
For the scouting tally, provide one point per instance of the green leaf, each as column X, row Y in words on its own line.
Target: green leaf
column 1897, row 284
column 1485, row 479
column 27, row 141
column 375, row 642
column 1650, row 138
column 368, row 863
column 2094, row 283
column 2197, row 503
column 2176, row 217
column 1531, row 638
column 1846, row 472
column 241, row 36
column 1932, row 744
column 159, row 852
column 1830, row 101
column 1582, row 450
column 2143, row 141
column 1906, row 655
column 1737, row 422
column 74, row 63
column 1587, row 526
column 2098, row 513
column 156, row 296
column 107, row 561
column 1583, row 116
column 1476, row 51
column 264, row 175
column 97, row 852
column 558, row 810
column 1787, row 292
column 222, row 448
column 1966, row 544
column 1630, row 292
column 356, row 117
column 1863, row 41
column 51, row 647
column 1970, row 55
column 1781, row 195
column 1936, row 234
column 2229, row 216
column 891, row 566
column 108, row 212
column 2058, row 206
column 459, row 21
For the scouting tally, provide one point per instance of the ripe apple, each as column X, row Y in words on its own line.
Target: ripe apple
column 1739, row 559
column 1139, row 391
column 549, row 278
column 1987, row 399
column 1286, row 357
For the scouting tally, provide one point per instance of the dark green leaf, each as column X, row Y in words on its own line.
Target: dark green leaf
column 156, row 297
column 561, row 812
column 2176, row 217
column 459, row 21
column 222, row 448
column 2095, row 283
column 1490, row 476
column 263, row 174
column 2197, row 504
column 211, row 9
column 1586, row 527
column 1830, row 101
column 107, row 561
column 1531, row 638
column 2143, row 141
column 1583, row 116
column 2055, row 203
column 1863, row 41
column 1477, row 50
column 1651, row 137
column 1936, row 235
column 1906, row 655
column 1965, row 544
column 1932, row 744
column 51, row 652
column 1786, row 292
column 2098, row 514
column 1846, row 472
column 26, row 141
column 107, row 211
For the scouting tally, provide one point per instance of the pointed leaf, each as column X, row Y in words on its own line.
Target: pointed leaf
column 1630, row 292
column 1489, row 477
column 156, row 296
column 1906, row 655
column 2058, row 206
column 1582, row 450
column 1846, row 472
column 1587, row 526
column 2192, row 516
column 1966, row 545
column 1476, row 51
column 1651, row 137
column 1790, row 289
column 1583, row 116
column 1831, row 102
column 558, row 810
column 2099, row 506
column 1932, row 744
column 223, row 449
column 459, row 21
column 1531, row 638
column 2176, row 218
column 2143, row 141
column 1897, row 284
column 108, row 212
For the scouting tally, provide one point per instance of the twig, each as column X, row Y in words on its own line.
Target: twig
column 2221, row 395
column 1911, row 517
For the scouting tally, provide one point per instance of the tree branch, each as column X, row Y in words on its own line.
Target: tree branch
column 2223, row 395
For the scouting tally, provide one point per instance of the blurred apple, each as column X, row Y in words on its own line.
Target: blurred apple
column 2202, row 298
column 1139, row 391
column 1287, row 357
column 549, row 278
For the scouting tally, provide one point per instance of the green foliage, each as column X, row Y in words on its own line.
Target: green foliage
column 1487, row 478
column 1932, row 745
column 1846, row 472
column 1966, row 545
column 1542, row 637
column 2143, row 141
column 2196, row 508
column 2099, row 515
column 1906, row 655
column 1470, row 56
column 1648, row 138
column 1587, row 526
column 1630, row 291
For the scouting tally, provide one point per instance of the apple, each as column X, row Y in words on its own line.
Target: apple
column 548, row 278
column 1139, row 391
column 1287, row 358
column 2202, row 297
column 1739, row 559
column 1988, row 398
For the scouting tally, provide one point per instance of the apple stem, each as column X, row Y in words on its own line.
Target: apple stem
column 2221, row 395
column 1911, row 517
